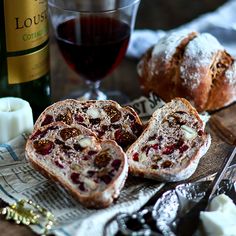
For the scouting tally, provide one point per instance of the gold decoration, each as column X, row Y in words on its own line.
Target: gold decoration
column 26, row 212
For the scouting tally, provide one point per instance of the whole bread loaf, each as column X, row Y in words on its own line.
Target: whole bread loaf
column 107, row 119
column 94, row 171
column 170, row 147
column 190, row 65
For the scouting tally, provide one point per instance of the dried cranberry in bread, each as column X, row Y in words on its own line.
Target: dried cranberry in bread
column 107, row 119
column 190, row 65
column 93, row 171
column 170, row 148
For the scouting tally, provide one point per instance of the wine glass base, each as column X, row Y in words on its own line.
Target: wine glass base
column 117, row 96
column 108, row 95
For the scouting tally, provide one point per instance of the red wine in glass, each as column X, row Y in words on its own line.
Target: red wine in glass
column 93, row 45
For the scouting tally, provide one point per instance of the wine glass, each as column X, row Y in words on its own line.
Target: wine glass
column 93, row 37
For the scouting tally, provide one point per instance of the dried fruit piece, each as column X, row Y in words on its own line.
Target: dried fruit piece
column 83, row 124
column 84, row 109
column 65, row 148
column 135, row 156
column 91, row 153
column 85, row 158
column 116, row 126
column 59, row 164
column 78, row 148
column 174, row 119
column 42, row 133
column 75, row 177
column 106, row 179
column 154, row 147
column 59, row 142
column 136, row 128
column 66, row 118
column 47, row 120
column 166, row 164
column 38, row 133
column 100, row 133
column 180, row 143
column 81, row 187
column 157, row 158
column 169, row 149
column 102, row 172
column 200, row 132
column 124, row 138
column 131, row 117
column 79, row 118
column 144, row 148
column 183, row 148
column 153, row 137
column 154, row 166
column 95, row 121
column 116, row 164
column 105, row 128
column 102, row 159
column 43, row 147
column 62, row 144
column 113, row 113
column 91, row 173
column 102, row 130
column 69, row 133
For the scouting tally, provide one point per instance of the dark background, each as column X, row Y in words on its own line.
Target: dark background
column 167, row 14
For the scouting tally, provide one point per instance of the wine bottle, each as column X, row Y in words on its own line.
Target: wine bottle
column 24, row 52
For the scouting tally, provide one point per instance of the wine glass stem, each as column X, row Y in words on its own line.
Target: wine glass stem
column 94, row 92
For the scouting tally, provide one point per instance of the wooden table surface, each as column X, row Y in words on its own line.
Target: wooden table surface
column 152, row 14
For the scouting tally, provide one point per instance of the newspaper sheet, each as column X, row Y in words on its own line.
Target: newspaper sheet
column 18, row 180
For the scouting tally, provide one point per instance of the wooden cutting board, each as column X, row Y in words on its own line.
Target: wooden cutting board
column 222, row 127
column 224, row 124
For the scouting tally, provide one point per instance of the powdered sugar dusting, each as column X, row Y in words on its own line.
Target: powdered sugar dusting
column 191, row 80
column 230, row 74
column 198, row 53
column 166, row 46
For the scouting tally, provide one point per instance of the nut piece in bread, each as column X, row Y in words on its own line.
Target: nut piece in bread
column 93, row 171
column 190, row 65
column 170, row 147
column 107, row 119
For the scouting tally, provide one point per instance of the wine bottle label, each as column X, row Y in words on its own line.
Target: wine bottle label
column 28, row 67
column 26, row 24
column 25, row 40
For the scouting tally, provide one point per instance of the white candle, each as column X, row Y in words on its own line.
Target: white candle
column 15, row 118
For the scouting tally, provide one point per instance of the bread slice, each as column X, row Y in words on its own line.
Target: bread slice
column 107, row 119
column 93, row 171
column 170, row 147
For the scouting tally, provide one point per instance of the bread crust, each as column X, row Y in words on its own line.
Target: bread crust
column 94, row 199
column 190, row 65
column 184, row 166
